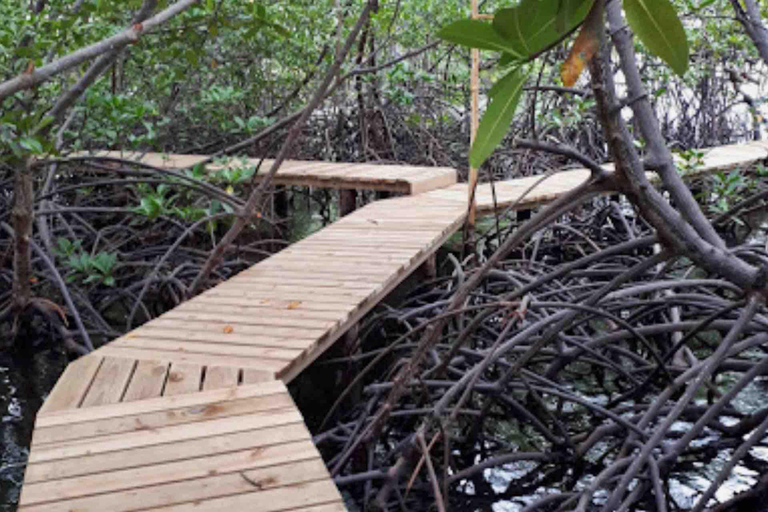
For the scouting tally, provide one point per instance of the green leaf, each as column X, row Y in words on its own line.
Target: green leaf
column 476, row 34
column 502, row 83
column 658, row 27
column 532, row 26
column 497, row 117
column 31, row 144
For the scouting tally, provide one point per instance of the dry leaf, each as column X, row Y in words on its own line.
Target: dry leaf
column 228, row 329
column 584, row 47
column 583, row 50
column 30, row 68
column 294, row 304
column 33, row 280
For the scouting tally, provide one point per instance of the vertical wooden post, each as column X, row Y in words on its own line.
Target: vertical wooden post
column 347, row 201
column 474, row 122
column 428, row 270
column 281, row 202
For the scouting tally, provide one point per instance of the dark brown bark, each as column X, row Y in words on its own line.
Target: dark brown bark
column 749, row 17
column 347, row 201
column 22, row 215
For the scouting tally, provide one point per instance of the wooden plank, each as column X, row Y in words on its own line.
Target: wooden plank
column 210, row 348
column 220, row 377
column 173, row 434
column 232, row 338
column 262, row 320
column 251, row 376
column 148, row 380
column 159, row 404
column 154, row 454
column 183, row 378
column 72, row 386
column 217, row 485
column 144, row 476
column 276, row 305
column 286, row 289
column 152, row 421
column 193, row 357
column 353, row 282
column 296, row 311
column 300, row 497
column 377, row 273
column 262, row 330
column 301, row 264
column 255, row 297
column 110, row 382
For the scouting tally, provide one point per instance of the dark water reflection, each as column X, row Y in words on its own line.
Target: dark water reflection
column 23, row 383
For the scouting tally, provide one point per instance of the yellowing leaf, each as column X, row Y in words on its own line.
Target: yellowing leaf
column 584, row 48
column 228, row 329
column 294, row 304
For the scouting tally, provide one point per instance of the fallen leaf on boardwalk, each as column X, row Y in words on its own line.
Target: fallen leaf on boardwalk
column 264, row 301
column 294, row 304
column 130, row 335
column 228, row 329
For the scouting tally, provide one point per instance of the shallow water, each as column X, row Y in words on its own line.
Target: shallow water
column 22, row 386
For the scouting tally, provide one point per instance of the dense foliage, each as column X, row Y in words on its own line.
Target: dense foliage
column 91, row 247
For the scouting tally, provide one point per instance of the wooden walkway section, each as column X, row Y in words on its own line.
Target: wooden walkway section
column 403, row 179
column 508, row 192
column 190, row 410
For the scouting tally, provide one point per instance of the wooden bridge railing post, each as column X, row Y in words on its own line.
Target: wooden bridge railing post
column 347, row 201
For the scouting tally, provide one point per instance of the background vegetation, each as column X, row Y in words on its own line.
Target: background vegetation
column 111, row 245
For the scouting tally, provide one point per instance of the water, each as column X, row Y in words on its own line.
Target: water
column 23, row 383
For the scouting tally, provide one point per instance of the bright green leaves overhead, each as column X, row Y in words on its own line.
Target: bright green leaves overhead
column 532, row 26
column 506, row 96
column 477, row 34
column 520, row 33
column 656, row 23
column 523, row 32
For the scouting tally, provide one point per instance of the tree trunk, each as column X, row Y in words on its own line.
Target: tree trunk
column 749, row 17
column 22, row 215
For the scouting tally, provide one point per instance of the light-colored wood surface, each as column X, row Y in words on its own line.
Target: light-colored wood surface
column 189, row 411
column 392, row 178
column 722, row 158
column 211, row 450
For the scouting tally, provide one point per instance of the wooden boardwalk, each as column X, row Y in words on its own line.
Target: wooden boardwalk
column 403, row 179
column 190, row 410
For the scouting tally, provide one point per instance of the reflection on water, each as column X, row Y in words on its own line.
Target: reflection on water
column 15, row 430
column 22, row 384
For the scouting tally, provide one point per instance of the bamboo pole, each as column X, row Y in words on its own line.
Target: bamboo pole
column 474, row 121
